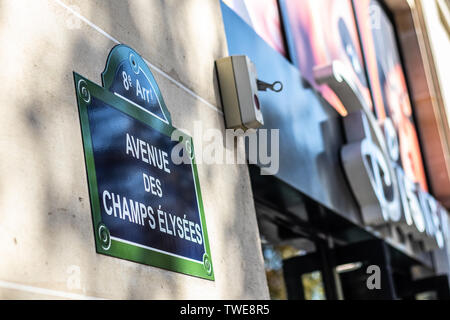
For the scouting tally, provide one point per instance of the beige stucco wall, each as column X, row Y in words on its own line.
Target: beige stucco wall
column 46, row 236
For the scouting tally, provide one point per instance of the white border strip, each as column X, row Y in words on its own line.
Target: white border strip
column 165, row 75
column 156, row 95
column 47, row 292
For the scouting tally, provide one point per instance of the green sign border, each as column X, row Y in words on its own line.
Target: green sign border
column 85, row 90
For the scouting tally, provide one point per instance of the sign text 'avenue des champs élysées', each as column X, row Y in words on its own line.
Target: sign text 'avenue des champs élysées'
column 145, row 208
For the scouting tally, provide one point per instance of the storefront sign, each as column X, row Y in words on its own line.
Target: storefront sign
column 145, row 208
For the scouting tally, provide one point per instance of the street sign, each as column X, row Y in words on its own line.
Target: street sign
column 145, row 208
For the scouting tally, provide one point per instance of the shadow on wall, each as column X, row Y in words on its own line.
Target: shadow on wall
column 52, row 229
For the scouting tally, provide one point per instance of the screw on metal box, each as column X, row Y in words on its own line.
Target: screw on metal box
column 277, row 86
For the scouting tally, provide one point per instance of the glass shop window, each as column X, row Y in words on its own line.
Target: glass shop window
column 264, row 18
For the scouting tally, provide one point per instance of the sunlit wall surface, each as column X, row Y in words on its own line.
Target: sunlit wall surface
column 322, row 31
column 263, row 17
column 274, row 255
column 388, row 84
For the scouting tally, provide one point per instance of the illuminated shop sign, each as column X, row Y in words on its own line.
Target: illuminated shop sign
column 382, row 158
